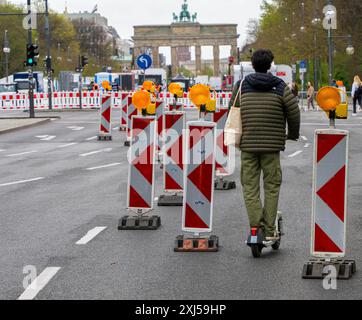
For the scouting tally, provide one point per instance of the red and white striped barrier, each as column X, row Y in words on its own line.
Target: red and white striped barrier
column 131, row 111
column 90, row 99
column 13, row 101
column 160, row 110
column 173, row 136
column 124, row 107
column 140, row 198
column 330, row 194
column 223, row 160
column 199, row 177
column 105, row 130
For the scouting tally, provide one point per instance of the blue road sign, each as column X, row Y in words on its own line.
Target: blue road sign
column 303, row 66
column 144, row 61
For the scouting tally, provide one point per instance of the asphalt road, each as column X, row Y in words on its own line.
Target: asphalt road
column 57, row 183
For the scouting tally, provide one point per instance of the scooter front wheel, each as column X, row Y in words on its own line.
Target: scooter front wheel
column 256, row 250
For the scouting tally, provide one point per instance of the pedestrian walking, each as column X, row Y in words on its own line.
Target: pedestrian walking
column 356, row 94
column 310, row 96
column 266, row 105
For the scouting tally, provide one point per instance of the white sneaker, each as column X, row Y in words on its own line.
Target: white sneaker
column 354, row 114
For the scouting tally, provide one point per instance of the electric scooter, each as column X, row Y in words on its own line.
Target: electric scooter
column 257, row 241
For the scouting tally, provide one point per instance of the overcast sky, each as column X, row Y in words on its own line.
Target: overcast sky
column 124, row 14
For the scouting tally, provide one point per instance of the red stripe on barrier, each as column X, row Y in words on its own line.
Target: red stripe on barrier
column 323, row 243
column 326, row 143
column 136, row 200
column 333, row 193
column 192, row 220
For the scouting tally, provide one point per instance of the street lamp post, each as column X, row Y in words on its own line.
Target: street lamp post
column 330, row 23
column 6, row 50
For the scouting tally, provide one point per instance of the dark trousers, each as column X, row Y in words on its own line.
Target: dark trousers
column 355, row 100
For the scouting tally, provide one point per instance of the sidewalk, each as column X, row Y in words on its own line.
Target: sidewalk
column 14, row 124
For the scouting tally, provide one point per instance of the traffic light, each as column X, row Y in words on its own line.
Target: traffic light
column 48, row 63
column 84, row 61
column 32, row 55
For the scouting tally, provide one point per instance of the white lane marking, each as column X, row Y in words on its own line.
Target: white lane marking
column 74, row 128
column 295, row 154
column 307, row 145
column 304, row 138
column 156, row 199
column 105, row 166
column 21, row 182
column 116, row 128
column 39, row 283
column 91, row 138
column 90, row 235
column 95, row 152
column 67, row 145
column 48, row 138
column 41, row 137
column 21, row 154
column 2, row 150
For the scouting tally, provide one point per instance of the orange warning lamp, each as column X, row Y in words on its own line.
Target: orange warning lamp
column 176, row 89
column 149, row 86
column 106, row 85
column 141, row 100
column 200, row 94
column 329, row 98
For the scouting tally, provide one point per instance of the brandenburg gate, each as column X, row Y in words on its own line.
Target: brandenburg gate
column 186, row 32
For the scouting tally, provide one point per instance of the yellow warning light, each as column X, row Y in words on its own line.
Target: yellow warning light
column 211, row 106
column 175, row 89
column 151, row 109
column 141, row 100
column 329, row 98
column 149, row 86
column 200, row 94
column 106, row 85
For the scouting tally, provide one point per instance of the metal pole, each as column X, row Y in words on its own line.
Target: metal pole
column 6, row 51
column 330, row 56
column 80, row 82
column 31, row 76
column 316, row 85
column 49, row 59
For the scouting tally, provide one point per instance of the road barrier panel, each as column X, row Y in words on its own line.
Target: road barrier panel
column 199, row 176
column 141, row 178
column 105, row 131
column 329, row 206
column 224, row 159
column 124, row 108
column 160, row 110
column 174, row 124
column 131, row 112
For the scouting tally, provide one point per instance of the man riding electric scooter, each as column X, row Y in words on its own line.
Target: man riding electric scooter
column 266, row 105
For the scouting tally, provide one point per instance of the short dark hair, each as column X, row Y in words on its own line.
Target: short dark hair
column 262, row 60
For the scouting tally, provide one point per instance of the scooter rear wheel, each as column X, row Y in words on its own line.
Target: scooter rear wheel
column 256, row 250
column 276, row 245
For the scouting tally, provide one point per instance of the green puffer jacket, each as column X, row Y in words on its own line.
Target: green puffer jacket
column 267, row 105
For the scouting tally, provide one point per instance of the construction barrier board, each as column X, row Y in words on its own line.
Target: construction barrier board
column 141, row 178
column 173, row 137
column 106, row 115
column 199, row 177
column 330, row 185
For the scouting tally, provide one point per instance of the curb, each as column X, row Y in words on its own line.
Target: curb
column 47, row 120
